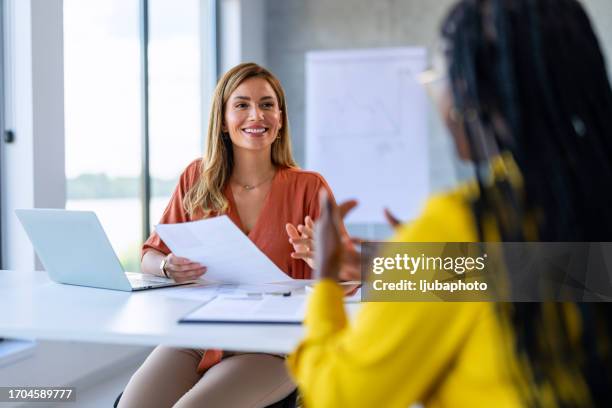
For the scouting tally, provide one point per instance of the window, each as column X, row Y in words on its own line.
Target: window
column 104, row 76
column 175, row 124
column 103, row 117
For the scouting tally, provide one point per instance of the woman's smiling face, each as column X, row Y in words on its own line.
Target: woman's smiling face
column 252, row 115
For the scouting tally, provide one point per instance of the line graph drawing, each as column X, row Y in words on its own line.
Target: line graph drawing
column 361, row 105
column 366, row 127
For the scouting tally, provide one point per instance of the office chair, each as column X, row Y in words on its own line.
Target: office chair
column 288, row 402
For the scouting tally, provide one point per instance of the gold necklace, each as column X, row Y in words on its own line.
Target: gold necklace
column 249, row 187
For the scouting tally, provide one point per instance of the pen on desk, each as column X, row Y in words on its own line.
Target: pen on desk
column 284, row 294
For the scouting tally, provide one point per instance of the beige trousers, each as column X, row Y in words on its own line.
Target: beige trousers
column 168, row 378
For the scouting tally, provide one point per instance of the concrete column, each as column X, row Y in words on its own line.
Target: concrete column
column 242, row 33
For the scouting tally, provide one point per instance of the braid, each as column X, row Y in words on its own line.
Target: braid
column 530, row 79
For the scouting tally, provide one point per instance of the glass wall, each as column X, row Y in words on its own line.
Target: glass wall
column 175, row 133
column 104, row 105
column 103, row 117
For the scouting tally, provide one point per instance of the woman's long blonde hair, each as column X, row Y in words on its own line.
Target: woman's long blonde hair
column 206, row 196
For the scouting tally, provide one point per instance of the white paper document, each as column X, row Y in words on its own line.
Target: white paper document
column 217, row 243
column 250, row 309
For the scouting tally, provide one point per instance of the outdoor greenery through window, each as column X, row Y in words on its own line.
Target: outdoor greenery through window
column 103, row 108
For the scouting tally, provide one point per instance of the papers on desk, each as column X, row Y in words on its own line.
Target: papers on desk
column 229, row 255
column 250, row 309
column 206, row 291
column 254, row 303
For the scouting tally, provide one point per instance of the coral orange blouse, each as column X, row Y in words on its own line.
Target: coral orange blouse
column 294, row 194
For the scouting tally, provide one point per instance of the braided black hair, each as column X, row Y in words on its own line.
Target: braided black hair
column 530, row 78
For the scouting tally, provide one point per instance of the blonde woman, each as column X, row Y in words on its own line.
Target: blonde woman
column 247, row 173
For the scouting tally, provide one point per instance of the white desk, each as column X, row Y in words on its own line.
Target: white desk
column 32, row 306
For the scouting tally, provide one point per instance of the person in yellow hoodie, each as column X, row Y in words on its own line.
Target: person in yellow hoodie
column 527, row 99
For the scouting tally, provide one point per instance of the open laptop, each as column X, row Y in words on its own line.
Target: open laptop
column 75, row 250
